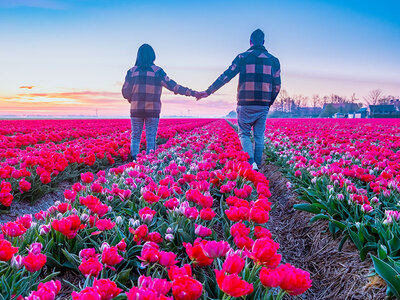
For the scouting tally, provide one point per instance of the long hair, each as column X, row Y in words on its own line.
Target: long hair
column 145, row 56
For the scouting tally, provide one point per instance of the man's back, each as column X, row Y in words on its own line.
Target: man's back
column 259, row 77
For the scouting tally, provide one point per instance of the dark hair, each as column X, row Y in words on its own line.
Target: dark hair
column 257, row 37
column 145, row 56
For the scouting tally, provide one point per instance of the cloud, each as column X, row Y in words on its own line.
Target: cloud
column 107, row 103
column 29, row 87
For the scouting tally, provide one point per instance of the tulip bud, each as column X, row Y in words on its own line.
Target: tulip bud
column 44, row 229
column 84, row 218
column 74, row 211
column 16, row 262
column 170, row 230
column 105, row 245
column 169, row 237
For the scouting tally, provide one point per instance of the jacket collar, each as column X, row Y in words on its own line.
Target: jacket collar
column 258, row 47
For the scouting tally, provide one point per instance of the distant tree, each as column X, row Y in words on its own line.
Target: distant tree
column 300, row 101
column 337, row 99
column 316, row 101
column 374, row 97
column 279, row 104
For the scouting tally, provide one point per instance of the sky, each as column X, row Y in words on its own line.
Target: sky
column 62, row 57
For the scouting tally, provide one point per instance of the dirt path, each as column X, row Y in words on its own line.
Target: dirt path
column 22, row 207
column 335, row 275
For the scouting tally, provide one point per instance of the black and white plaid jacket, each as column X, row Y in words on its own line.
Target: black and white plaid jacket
column 259, row 77
column 142, row 88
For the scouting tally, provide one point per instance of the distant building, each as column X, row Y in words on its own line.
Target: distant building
column 362, row 113
column 232, row 115
column 330, row 109
column 339, row 116
column 384, row 111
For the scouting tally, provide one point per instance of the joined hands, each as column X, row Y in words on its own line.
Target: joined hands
column 200, row 95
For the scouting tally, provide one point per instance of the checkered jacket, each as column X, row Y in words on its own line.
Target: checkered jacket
column 259, row 77
column 142, row 88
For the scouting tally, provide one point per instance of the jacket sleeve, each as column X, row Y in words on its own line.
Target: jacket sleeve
column 226, row 76
column 173, row 86
column 276, row 81
column 127, row 87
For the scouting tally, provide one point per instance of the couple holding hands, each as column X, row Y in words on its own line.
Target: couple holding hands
column 259, row 85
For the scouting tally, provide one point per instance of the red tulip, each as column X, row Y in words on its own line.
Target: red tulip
column 196, row 253
column 202, row 230
column 232, row 285
column 207, row 214
column 167, row 259
column 233, row 264
column 87, row 177
column 161, row 286
column 264, row 253
column 186, row 288
column 295, row 281
column 258, row 215
column 13, row 229
column 68, row 226
column 175, row 272
column 7, row 250
column 45, row 291
column 89, row 293
column 24, row 185
column 271, row 277
column 214, row 249
column 110, row 256
column 34, row 262
column 106, row 288
column 105, row 224
column 90, row 266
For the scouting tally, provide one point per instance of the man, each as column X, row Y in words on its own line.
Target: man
column 259, row 85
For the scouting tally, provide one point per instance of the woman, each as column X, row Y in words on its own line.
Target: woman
column 142, row 88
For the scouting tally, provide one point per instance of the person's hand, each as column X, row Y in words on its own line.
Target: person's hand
column 200, row 95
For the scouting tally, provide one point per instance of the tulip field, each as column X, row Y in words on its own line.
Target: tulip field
column 188, row 221
column 348, row 173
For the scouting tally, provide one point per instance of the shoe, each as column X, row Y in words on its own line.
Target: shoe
column 255, row 167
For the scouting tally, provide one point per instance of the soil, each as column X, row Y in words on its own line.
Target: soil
column 22, row 207
column 335, row 275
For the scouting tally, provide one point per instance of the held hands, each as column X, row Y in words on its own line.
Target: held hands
column 200, row 95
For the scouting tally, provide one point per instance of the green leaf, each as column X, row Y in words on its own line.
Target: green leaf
column 382, row 252
column 319, row 217
column 123, row 276
column 368, row 247
column 356, row 239
column 307, row 207
column 339, row 224
column 341, row 244
column 388, row 274
column 394, row 245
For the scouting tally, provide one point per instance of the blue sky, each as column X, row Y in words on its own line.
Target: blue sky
column 67, row 48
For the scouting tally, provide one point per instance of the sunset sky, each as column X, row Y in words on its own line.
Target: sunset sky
column 70, row 57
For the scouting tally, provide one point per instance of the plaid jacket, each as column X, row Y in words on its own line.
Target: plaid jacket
column 259, row 79
column 142, row 88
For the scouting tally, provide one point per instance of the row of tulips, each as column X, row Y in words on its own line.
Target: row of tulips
column 349, row 173
column 32, row 161
column 185, row 222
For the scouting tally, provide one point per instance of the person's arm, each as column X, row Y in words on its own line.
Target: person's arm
column 173, row 86
column 276, row 81
column 127, row 87
column 225, row 77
